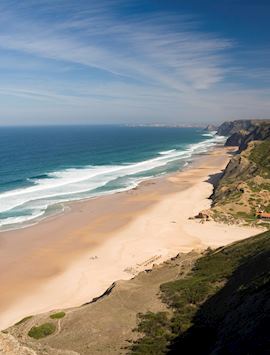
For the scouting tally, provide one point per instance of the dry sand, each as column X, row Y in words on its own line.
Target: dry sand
column 67, row 260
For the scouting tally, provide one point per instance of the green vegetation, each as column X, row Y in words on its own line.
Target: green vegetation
column 245, row 187
column 23, row 320
column 260, row 155
column 156, row 327
column 186, row 296
column 41, row 331
column 58, row 315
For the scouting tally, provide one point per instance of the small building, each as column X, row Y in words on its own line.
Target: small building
column 263, row 215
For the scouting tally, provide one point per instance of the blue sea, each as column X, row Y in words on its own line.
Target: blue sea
column 43, row 167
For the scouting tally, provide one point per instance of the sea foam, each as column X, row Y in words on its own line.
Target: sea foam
column 77, row 183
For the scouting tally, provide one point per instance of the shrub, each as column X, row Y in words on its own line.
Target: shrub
column 41, row 331
column 58, row 315
column 185, row 296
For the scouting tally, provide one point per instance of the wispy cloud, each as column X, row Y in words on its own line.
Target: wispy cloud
column 104, row 54
column 153, row 49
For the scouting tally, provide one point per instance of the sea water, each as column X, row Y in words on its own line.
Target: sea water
column 43, row 167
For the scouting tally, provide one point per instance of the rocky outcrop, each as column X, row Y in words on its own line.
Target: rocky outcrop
column 242, row 132
column 231, row 127
column 210, row 128
column 236, row 138
column 239, row 169
column 11, row 346
column 260, row 133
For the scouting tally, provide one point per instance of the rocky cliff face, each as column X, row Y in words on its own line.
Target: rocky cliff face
column 244, row 187
column 236, row 138
column 231, row 127
column 259, row 133
column 241, row 132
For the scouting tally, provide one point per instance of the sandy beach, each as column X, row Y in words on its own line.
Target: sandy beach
column 67, row 260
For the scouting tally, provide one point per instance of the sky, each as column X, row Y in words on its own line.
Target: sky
column 133, row 61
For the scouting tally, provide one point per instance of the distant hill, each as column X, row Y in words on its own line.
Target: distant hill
column 241, row 132
column 210, row 128
column 230, row 127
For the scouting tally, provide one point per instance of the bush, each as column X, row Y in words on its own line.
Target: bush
column 186, row 296
column 58, row 315
column 41, row 331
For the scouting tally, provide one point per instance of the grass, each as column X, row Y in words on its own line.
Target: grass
column 185, row 296
column 23, row 320
column 156, row 329
column 256, row 186
column 260, row 155
column 58, row 315
column 42, row 331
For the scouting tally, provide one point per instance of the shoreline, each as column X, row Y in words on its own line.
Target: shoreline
column 54, row 264
column 60, row 207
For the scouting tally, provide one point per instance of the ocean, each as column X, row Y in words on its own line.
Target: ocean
column 42, row 167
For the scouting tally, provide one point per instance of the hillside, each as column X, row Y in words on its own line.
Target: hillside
column 105, row 325
column 236, row 318
column 244, row 187
column 228, row 128
column 242, row 132
column 221, row 307
column 260, row 133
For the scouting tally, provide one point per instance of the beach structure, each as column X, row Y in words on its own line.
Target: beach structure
column 263, row 215
column 205, row 214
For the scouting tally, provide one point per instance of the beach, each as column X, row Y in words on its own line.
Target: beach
column 67, row 260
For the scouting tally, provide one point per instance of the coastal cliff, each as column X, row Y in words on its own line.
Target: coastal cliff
column 242, row 132
column 244, row 187
column 259, row 133
column 230, row 127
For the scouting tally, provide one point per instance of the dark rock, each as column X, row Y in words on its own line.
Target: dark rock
column 236, row 138
column 231, row 127
column 260, row 133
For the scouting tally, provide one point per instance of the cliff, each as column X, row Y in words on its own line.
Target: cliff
column 241, row 132
column 235, row 320
column 236, row 138
column 259, row 133
column 221, row 307
column 230, row 127
column 244, row 187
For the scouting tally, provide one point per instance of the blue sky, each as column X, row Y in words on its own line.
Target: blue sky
column 120, row 61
